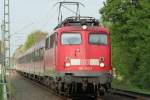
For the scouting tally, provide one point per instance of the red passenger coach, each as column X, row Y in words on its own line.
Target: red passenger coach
column 76, row 58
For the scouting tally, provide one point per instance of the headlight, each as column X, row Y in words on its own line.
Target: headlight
column 101, row 64
column 67, row 64
column 84, row 27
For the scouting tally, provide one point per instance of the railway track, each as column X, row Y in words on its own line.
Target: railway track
column 131, row 94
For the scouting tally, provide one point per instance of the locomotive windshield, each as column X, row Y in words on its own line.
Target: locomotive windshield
column 100, row 39
column 71, row 38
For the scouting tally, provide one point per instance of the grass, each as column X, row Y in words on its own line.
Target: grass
column 1, row 90
column 128, row 86
column 10, row 88
column 1, row 93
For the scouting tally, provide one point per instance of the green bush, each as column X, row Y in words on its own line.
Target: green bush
column 1, row 93
column 129, row 23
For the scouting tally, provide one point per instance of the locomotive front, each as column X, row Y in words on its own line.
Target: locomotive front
column 84, row 56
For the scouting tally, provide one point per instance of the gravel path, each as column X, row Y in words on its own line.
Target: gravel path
column 23, row 89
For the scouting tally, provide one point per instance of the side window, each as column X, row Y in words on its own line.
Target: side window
column 33, row 58
column 27, row 58
column 30, row 57
column 24, row 59
column 20, row 60
column 36, row 55
column 56, row 39
column 47, row 43
column 52, row 41
column 41, row 52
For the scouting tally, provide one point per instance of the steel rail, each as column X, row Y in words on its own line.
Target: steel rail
column 130, row 94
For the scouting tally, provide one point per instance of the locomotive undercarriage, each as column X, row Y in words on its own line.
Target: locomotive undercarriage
column 76, row 86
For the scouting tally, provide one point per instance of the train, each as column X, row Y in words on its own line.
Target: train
column 75, row 59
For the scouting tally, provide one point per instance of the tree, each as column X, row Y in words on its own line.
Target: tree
column 130, row 27
column 33, row 38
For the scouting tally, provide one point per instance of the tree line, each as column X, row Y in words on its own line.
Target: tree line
column 32, row 39
column 129, row 24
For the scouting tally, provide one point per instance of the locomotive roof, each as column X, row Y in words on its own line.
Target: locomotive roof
column 79, row 28
column 79, row 21
column 75, row 23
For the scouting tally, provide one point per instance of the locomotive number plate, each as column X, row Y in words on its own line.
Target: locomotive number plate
column 89, row 62
column 92, row 62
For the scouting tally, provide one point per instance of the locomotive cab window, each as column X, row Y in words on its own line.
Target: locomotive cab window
column 98, row 39
column 71, row 38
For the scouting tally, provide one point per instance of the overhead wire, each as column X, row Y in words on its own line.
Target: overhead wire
column 24, row 27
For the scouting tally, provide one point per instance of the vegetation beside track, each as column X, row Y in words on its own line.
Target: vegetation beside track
column 1, row 92
column 33, row 38
column 128, row 86
column 129, row 24
column 10, row 88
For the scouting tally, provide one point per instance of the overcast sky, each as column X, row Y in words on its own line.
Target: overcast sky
column 30, row 15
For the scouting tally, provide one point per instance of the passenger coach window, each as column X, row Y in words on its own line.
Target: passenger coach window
column 70, row 38
column 47, row 43
column 52, row 40
column 100, row 39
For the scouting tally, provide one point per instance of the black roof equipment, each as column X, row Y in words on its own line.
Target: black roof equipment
column 78, row 21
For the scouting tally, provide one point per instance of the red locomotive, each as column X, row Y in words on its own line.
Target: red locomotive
column 74, row 60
